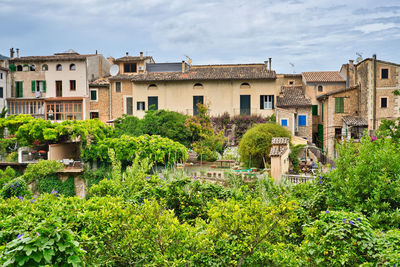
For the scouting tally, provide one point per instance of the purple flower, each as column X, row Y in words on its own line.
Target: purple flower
column 54, row 192
column 320, row 177
column 373, row 138
column 344, row 220
column 147, row 177
column 19, row 236
column 351, row 222
column 12, row 185
column 37, row 234
column 358, row 219
column 327, row 211
column 320, row 182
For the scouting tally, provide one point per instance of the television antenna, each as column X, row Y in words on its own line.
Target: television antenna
column 189, row 59
column 291, row 64
column 359, row 58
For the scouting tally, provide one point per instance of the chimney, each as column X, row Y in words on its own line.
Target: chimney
column 141, row 55
column 17, row 52
column 281, row 94
column 183, row 66
column 127, row 54
column 270, row 62
column 351, row 63
column 96, row 51
column 12, row 53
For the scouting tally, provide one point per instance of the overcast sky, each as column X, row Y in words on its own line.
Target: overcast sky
column 311, row 34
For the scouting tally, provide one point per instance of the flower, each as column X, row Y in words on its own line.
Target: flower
column 37, row 234
column 344, row 220
column 19, row 236
column 373, row 138
column 320, row 182
column 54, row 192
column 358, row 219
column 327, row 211
column 351, row 222
column 320, row 177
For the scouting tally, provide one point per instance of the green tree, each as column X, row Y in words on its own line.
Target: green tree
column 255, row 145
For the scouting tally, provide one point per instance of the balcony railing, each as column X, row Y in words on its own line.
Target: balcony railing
column 34, row 107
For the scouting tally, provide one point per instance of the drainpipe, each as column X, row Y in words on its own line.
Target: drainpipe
column 110, row 99
column 374, row 95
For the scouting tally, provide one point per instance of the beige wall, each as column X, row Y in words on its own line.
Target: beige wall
column 221, row 96
column 289, row 114
column 64, row 151
column 279, row 166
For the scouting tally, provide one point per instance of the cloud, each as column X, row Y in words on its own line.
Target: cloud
column 313, row 34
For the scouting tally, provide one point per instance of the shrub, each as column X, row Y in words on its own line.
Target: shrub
column 7, row 175
column 51, row 183
column 41, row 169
column 15, row 188
column 256, row 143
column 387, row 248
column 338, row 239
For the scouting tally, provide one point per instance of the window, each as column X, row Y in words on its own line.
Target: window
column 118, row 87
column 72, row 85
column 94, row 115
column 245, row 86
column 130, row 67
column 284, row 122
column 152, row 102
column 32, row 67
column 338, row 133
column 198, row 86
column 72, row 67
column 315, row 110
column 129, row 106
column 266, row 102
column 38, row 86
column 19, row 68
column 384, row 102
column 59, row 67
column 302, row 120
column 197, row 99
column 1, row 75
column 1, row 92
column 291, row 82
column 64, row 110
column 384, row 73
column 339, row 105
column 320, row 88
column 45, row 67
column 58, row 88
column 93, row 95
column 19, row 89
column 140, row 105
column 152, row 86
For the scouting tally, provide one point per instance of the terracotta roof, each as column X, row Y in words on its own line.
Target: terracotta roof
column 71, row 98
column 130, row 58
column 102, row 82
column 55, row 57
column 323, row 76
column 123, row 77
column 277, row 151
column 337, row 92
column 292, row 96
column 280, row 140
column 355, row 121
column 211, row 72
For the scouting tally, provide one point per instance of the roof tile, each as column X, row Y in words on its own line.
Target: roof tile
column 292, row 96
column 323, row 76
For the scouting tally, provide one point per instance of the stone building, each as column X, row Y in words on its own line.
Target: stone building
column 4, row 84
column 279, row 155
column 294, row 111
column 54, row 87
column 377, row 79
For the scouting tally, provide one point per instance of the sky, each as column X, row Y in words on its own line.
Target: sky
column 299, row 35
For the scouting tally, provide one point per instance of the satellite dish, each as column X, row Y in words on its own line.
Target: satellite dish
column 114, row 70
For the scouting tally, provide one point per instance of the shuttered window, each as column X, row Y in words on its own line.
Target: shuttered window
column 196, row 100
column 284, row 122
column 315, row 110
column 117, row 87
column 302, row 120
column 1, row 92
column 339, row 105
column 267, row 101
column 152, row 102
column 129, row 106
column 19, row 89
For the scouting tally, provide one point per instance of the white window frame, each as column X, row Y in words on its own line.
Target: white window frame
column 115, row 84
column 144, row 105
column 268, row 104
column 97, row 95
column 287, row 122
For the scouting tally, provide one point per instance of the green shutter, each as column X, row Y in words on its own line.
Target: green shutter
column 21, row 89
column 33, row 83
column 315, row 110
column 339, row 105
column 44, row 86
column 18, row 89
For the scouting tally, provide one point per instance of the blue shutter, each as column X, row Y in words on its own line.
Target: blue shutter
column 284, row 122
column 302, row 120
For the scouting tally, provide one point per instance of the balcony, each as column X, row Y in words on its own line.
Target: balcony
column 31, row 106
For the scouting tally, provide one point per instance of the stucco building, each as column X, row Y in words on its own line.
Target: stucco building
column 4, row 84
column 54, row 87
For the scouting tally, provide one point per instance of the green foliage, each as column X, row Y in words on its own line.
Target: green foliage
column 8, row 145
column 7, row 175
column 387, row 248
column 390, row 128
column 15, row 188
column 42, row 169
column 338, row 239
column 12, row 157
column 95, row 176
column 294, row 156
column 256, row 143
column 127, row 148
column 51, row 183
column 368, row 182
column 206, row 143
column 128, row 125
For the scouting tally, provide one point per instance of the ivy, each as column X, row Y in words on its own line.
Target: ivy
column 52, row 183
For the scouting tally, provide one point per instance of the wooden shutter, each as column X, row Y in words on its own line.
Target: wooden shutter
column 33, row 83
column 339, row 105
column 273, row 100
column 261, row 102
column 245, row 105
column 129, row 105
column 315, row 110
column 152, row 102
column 44, row 86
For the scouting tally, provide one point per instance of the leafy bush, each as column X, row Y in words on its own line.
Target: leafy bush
column 256, row 143
column 15, row 188
column 338, row 239
column 387, row 248
column 7, row 175
column 42, row 169
column 128, row 125
column 52, row 183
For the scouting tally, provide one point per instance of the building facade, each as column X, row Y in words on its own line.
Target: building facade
column 54, row 87
column 4, row 84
